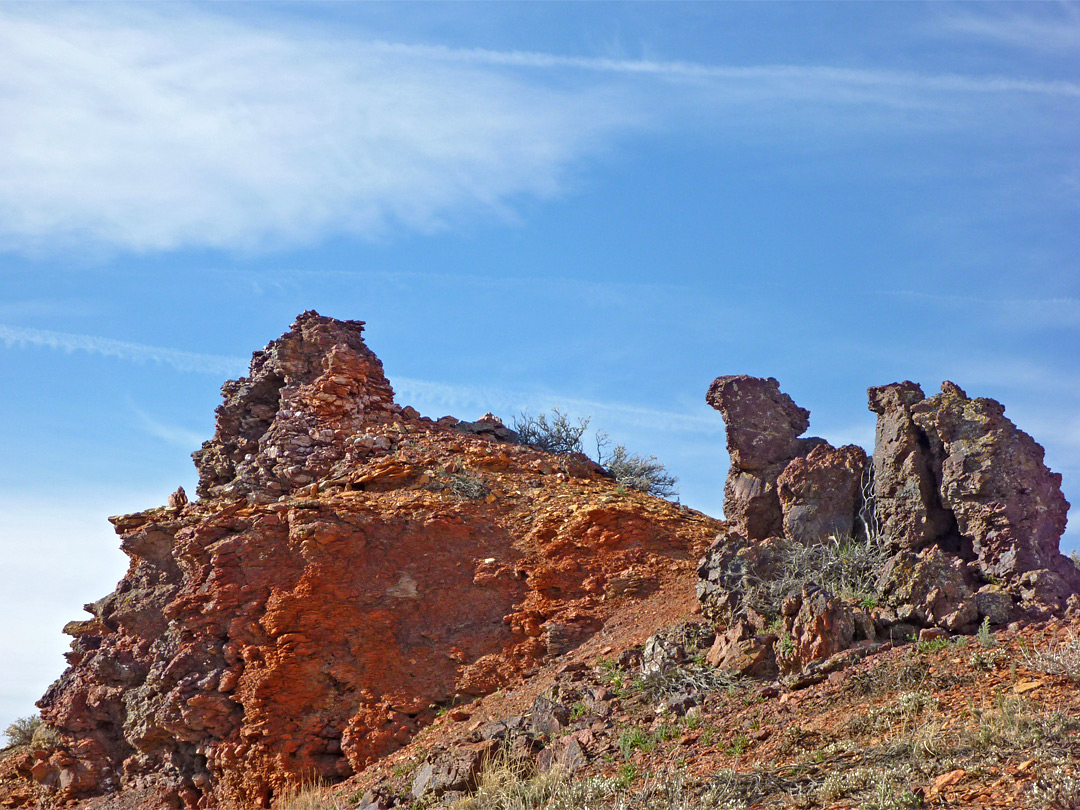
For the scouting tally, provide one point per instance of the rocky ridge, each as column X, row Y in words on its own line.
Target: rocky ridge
column 350, row 569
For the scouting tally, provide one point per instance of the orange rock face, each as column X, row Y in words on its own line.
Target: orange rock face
column 350, row 569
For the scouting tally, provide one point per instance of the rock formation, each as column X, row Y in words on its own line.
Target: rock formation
column 905, row 486
column 763, row 429
column 959, row 521
column 821, row 492
column 349, row 568
column 308, row 398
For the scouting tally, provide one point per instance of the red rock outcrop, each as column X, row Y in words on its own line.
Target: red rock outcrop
column 955, row 472
column 349, row 569
column 905, row 488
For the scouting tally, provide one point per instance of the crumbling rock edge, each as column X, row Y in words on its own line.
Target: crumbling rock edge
column 349, row 570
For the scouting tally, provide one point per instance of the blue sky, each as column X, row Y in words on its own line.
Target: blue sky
column 593, row 206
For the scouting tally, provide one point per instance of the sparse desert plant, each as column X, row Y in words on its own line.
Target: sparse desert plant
column 310, row 794
column 558, row 434
column 1015, row 722
column 633, row 739
column 983, row 635
column 504, row 786
column 21, row 732
column 1057, row 790
column 1061, row 659
column 846, row 566
column 638, row 472
column 467, row 485
column 689, row 677
column 555, row 434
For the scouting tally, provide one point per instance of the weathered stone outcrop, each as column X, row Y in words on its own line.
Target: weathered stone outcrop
column 763, row 430
column 958, row 495
column 817, row 625
column 909, row 511
column 992, row 478
column 954, row 472
column 349, row 568
column 928, row 589
column 286, row 423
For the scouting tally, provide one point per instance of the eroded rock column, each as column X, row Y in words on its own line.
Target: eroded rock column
column 763, row 429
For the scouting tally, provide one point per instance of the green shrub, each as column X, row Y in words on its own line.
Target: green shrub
column 638, row 472
column 558, row 434
column 21, row 732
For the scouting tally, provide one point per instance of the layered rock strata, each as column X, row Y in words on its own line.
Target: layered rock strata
column 349, row 569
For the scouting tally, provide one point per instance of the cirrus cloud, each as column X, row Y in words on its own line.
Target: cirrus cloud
column 156, row 129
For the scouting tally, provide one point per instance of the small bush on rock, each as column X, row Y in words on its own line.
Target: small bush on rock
column 1062, row 659
column 468, row 486
column 554, row 434
column 638, row 472
column 558, row 434
column 846, row 566
column 21, row 732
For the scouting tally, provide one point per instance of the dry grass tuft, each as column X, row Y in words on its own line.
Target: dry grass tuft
column 310, row 794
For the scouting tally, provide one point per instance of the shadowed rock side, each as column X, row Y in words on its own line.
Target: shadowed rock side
column 350, row 569
column 958, row 521
column 976, row 486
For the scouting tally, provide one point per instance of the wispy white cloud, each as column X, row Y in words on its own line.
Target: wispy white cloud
column 807, row 80
column 17, row 336
column 1041, row 27
column 157, row 127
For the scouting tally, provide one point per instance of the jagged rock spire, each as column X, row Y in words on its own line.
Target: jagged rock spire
column 283, row 425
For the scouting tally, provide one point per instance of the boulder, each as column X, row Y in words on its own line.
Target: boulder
column 929, row 588
column 742, row 651
column 730, row 576
column 995, row 604
column 456, row 770
column 821, row 627
column 820, row 493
